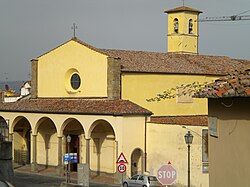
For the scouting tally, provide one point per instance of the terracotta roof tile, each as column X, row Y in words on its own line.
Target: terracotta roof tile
column 182, row 8
column 235, row 84
column 76, row 106
column 155, row 62
column 197, row 120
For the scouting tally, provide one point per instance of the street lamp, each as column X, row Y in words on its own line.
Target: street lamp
column 188, row 139
column 68, row 170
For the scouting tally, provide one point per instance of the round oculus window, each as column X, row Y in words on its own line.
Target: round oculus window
column 75, row 81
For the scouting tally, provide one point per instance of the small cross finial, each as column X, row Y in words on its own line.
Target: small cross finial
column 183, row 2
column 74, row 27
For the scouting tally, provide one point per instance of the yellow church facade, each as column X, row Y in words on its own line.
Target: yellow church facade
column 99, row 98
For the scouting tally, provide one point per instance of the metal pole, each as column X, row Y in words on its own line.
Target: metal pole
column 188, row 165
column 68, row 171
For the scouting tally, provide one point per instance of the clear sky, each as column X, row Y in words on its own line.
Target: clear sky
column 30, row 28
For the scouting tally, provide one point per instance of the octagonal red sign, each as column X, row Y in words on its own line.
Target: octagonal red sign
column 166, row 174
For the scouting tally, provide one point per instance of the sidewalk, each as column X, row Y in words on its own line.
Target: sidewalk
column 51, row 172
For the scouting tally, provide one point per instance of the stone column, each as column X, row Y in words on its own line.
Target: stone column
column 11, row 137
column 88, row 152
column 59, row 157
column 34, row 154
column 80, row 149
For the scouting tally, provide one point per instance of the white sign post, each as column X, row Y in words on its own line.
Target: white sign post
column 121, row 160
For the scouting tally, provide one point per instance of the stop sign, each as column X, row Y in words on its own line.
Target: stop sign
column 166, row 174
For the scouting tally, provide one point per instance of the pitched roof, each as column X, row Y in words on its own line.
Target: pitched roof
column 156, row 62
column 196, row 120
column 181, row 9
column 76, row 106
column 235, row 84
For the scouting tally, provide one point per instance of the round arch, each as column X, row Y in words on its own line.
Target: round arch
column 41, row 121
column 98, row 122
column 17, row 120
column 46, row 142
column 137, row 162
column 73, row 128
column 68, row 122
column 103, row 147
column 21, row 129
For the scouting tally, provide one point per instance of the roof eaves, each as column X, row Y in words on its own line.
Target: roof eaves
column 170, row 72
column 51, row 50
column 79, row 113
column 82, row 43
column 182, row 8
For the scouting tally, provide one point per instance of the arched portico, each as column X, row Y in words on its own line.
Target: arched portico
column 137, row 162
column 102, row 147
column 47, row 142
column 75, row 130
column 21, row 129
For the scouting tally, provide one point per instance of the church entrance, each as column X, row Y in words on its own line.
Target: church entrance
column 74, row 129
column 74, row 148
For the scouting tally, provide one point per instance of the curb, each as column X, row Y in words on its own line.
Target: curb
column 58, row 177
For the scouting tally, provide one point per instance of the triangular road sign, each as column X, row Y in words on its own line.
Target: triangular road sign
column 121, row 159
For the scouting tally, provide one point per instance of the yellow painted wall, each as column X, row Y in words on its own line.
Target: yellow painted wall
column 229, row 153
column 46, row 155
column 133, row 137
column 139, row 87
column 72, row 57
column 19, row 145
column 183, row 41
column 182, row 44
column 104, row 160
column 166, row 143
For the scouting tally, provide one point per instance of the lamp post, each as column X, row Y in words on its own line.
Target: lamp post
column 188, row 139
column 68, row 170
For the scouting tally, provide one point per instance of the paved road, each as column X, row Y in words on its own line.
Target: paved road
column 34, row 180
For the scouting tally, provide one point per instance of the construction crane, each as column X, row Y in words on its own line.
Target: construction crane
column 238, row 17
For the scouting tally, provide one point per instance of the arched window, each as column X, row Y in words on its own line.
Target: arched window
column 190, row 26
column 176, row 25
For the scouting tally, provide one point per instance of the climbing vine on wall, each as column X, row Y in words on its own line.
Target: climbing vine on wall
column 184, row 89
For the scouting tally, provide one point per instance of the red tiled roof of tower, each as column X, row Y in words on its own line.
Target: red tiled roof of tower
column 181, row 9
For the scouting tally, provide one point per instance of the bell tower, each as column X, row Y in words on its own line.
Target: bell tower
column 183, row 30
